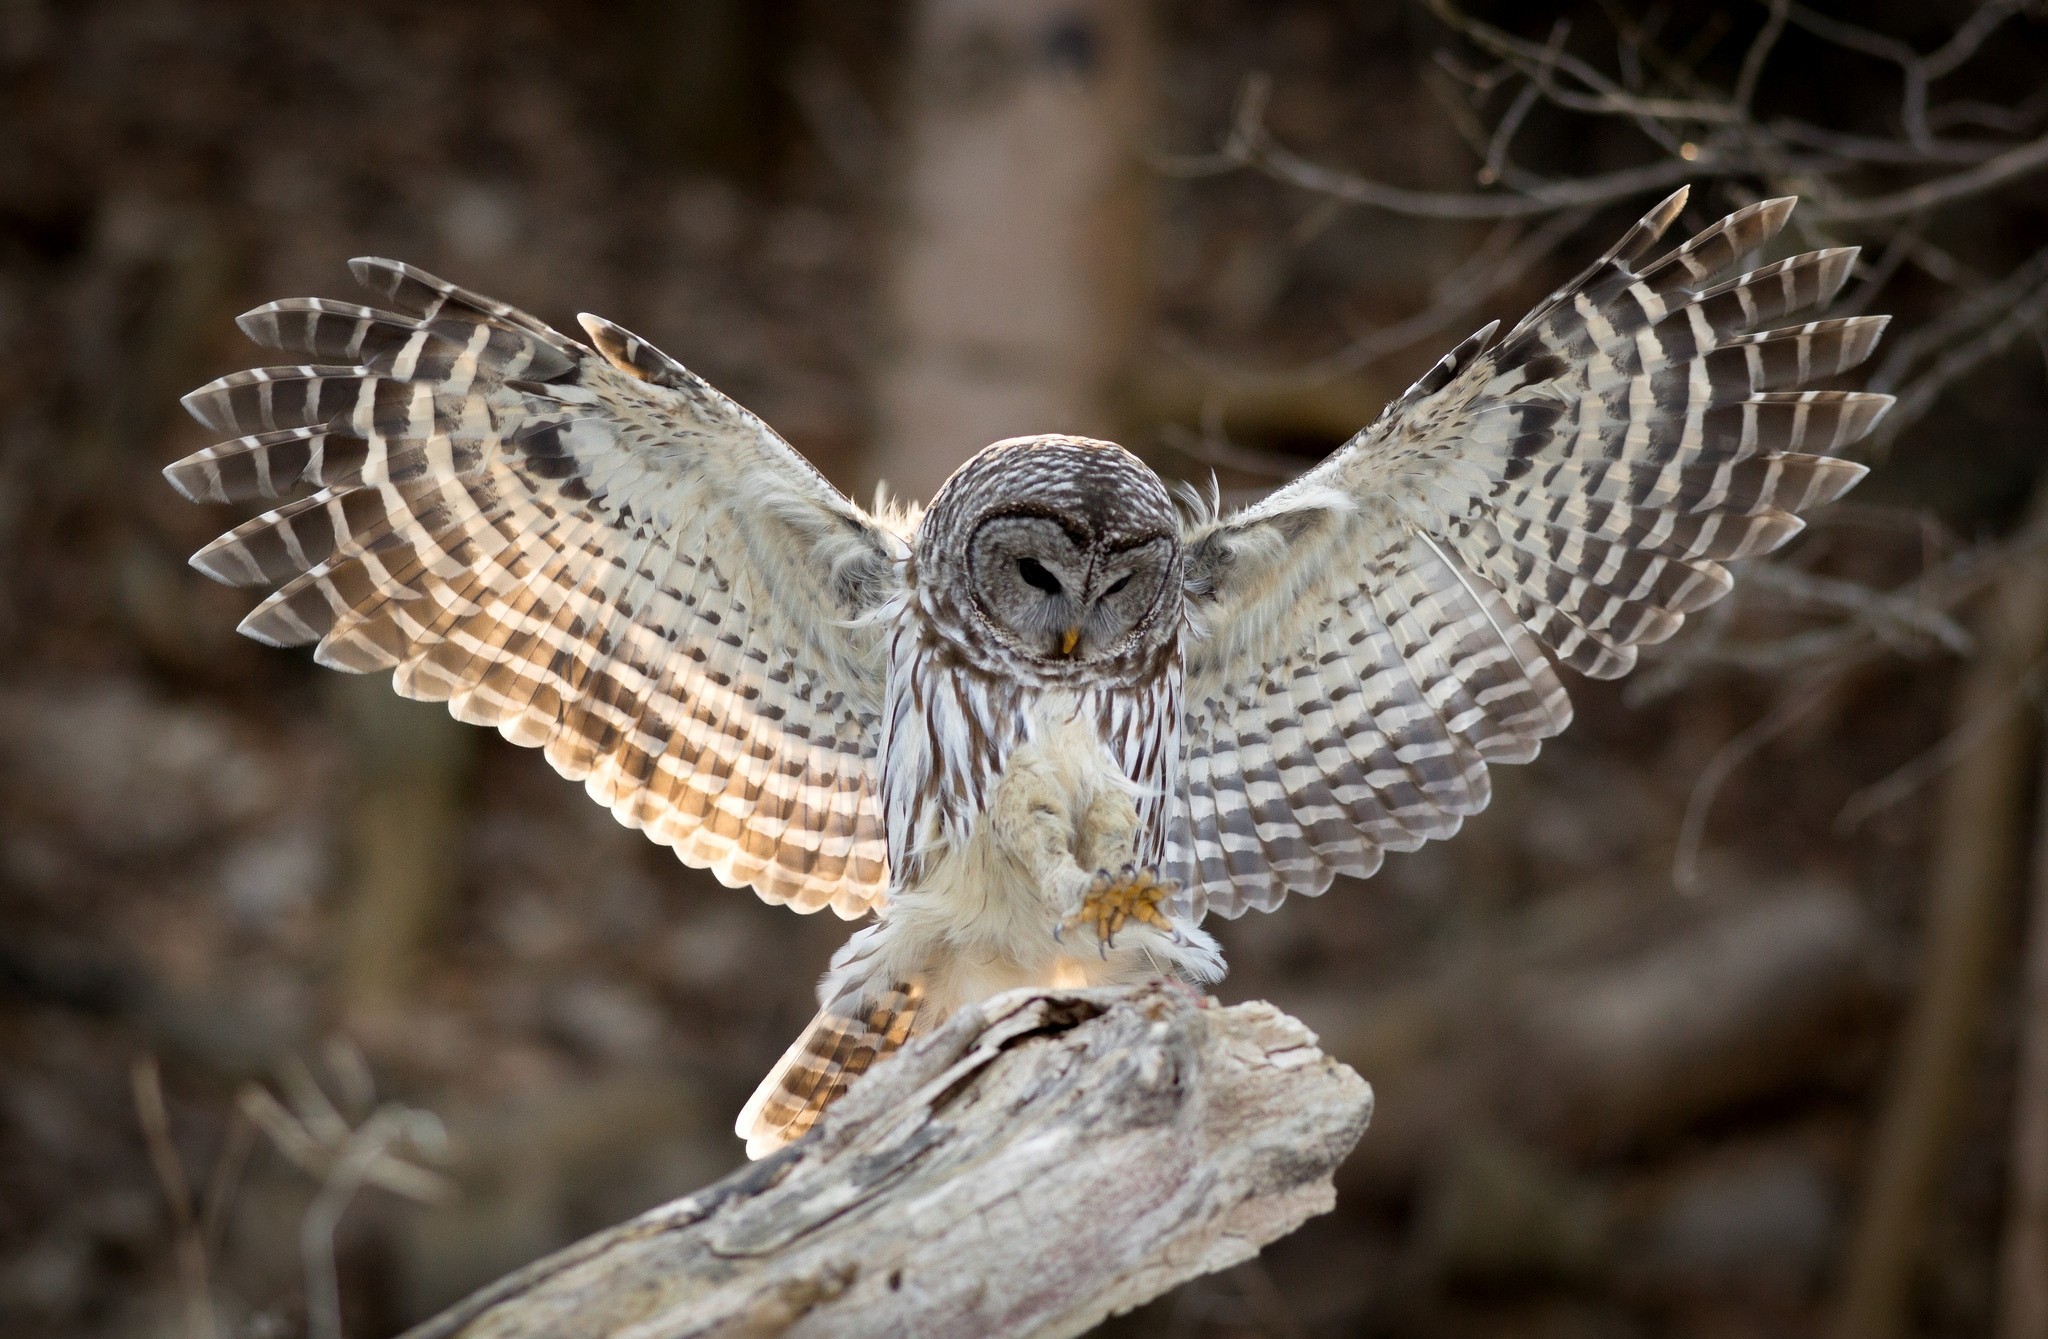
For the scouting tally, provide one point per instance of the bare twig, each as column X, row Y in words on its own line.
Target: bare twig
column 194, row 1278
column 1759, row 52
column 1918, row 71
column 2023, row 161
column 1956, row 745
column 1702, row 133
column 1601, row 96
column 2026, row 314
column 1461, row 293
column 1685, row 860
column 1921, row 610
column 1253, row 147
column 365, row 1157
column 315, row 1136
column 1899, row 618
column 222, row 1184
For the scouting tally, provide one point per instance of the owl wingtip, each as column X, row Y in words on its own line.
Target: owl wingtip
column 178, row 475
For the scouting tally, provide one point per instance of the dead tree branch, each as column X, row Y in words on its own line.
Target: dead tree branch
column 1698, row 132
column 1042, row 1161
column 1978, row 855
column 1882, row 189
column 1695, row 132
column 2023, row 1273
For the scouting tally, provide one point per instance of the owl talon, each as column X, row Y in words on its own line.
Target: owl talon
column 1113, row 901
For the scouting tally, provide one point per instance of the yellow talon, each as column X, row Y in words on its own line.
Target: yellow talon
column 1114, row 901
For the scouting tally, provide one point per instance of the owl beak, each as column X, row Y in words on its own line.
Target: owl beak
column 1069, row 639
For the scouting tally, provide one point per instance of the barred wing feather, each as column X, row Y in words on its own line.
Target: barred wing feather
column 1371, row 636
column 592, row 550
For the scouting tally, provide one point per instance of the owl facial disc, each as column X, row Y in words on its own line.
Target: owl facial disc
column 1062, row 553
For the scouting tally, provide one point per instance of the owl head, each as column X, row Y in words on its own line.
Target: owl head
column 1059, row 556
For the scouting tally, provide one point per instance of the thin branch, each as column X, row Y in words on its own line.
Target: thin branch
column 1918, row 71
column 1907, row 780
column 1250, row 145
column 1875, row 277
column 1692, row 828
column 1874, row 149
column 2027, row 316
column 194, row 1277
column 1541, row 65
column 1944, row 586
column 1783, row 150
column 1496, row 164
column 314, row 1135
column 1484, row 274
column 1759, row 52
column 226, row 1178
column 1973, row 311
column 364, row 1158
column 1968, row 38
column 1890, row 615
column 2014, row 120
column 2008, row 166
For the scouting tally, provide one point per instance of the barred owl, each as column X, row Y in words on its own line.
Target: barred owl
column 1042, row 730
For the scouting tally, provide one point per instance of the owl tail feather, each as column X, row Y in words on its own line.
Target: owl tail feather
column 846, row 1037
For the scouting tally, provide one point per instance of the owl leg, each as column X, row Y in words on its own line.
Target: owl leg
column 1034, row 823
column 1107, row 833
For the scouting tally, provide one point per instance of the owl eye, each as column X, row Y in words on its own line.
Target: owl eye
column 1034, row 573
column 1118, row 584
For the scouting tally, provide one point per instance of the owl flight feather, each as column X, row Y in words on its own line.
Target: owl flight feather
column 968, row 721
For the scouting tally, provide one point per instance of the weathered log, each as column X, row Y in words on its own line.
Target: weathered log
column 1039, row 1163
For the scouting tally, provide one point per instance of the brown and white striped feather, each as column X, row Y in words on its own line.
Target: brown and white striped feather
column 1367, row 637
column 845, row 1038
column 601, row 556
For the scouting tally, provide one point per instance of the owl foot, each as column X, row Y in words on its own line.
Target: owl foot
column 1112, row 901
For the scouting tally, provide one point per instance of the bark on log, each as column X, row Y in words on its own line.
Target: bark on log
column 1041, row 1162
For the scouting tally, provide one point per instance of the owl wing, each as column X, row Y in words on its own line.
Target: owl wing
column 602, row 556
column 1369, row 637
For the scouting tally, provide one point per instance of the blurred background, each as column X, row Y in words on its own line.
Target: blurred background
column 1729, row 1018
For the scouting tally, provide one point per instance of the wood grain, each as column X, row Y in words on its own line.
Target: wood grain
column 1043, row 1161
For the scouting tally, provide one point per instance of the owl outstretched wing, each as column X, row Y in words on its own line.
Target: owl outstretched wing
column 1371, row 636
column 592, row 550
